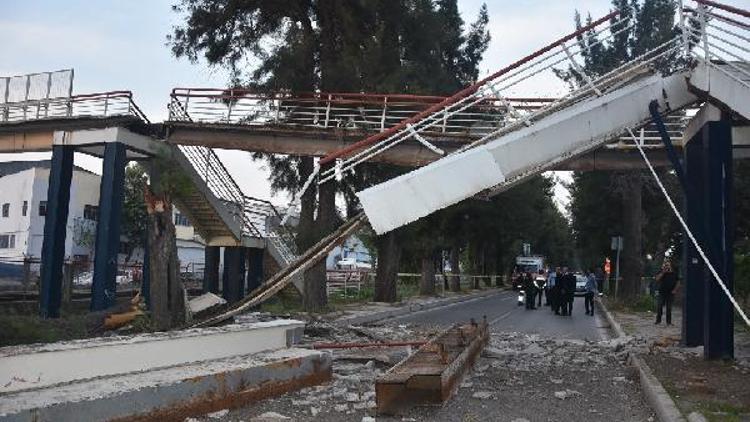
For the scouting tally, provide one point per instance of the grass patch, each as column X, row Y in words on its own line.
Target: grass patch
column 722, row 412
column 644, row 303
column 28, row 329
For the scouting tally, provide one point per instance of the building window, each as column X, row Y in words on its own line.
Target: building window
column 91, row 212
column 181, row 220
column 7, row 241
column 25, row 208
column 42, row 208
column 6, row 210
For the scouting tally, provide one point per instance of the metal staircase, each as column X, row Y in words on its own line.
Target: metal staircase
column 222, row 214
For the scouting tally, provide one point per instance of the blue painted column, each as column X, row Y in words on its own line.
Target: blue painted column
column 694, row 276
column 104, row 287
column 234, row 274
column 719, row 313
column 255, row 268
column 55, row 230
column 211, row 256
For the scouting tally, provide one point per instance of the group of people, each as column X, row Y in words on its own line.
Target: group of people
column 559, row 288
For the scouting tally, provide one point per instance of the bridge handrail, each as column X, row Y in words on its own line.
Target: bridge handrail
column 720, row 42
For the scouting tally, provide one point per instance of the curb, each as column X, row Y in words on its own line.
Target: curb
column 413, row 308
column 656, row 396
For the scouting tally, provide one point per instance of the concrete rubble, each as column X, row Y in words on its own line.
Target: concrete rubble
column 513, row 369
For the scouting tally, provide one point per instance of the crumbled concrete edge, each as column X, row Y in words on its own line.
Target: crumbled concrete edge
column 656, row 396
column 410, row 309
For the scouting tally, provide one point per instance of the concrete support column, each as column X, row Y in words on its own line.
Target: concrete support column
column 234, row 273
column 211, row 269
column 255, row 268
column 719, row 313
column 55, row 225
column 694, row 276
column 104, row 286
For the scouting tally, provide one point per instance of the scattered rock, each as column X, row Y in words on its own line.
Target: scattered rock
column 352, row 397
column 341, row 407
column 562, row 395
column 218, row 415
column 696, row 417
column 483, row 395
column 368, row 419
column 270, row 417
column 314, row 411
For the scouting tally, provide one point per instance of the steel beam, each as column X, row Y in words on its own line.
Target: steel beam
column 211, row 269
column 55, row 231
column 111, row 192
column 693, row 267
column 255, row 268
column 234, row 274
column 719, row 313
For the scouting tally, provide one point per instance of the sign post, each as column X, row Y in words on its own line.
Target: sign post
column 617, row 246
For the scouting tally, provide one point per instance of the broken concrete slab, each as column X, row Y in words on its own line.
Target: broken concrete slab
column 173, row 393
column 35, row 366
column 205, row 302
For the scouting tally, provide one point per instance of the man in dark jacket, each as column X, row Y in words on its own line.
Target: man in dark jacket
column 529, row 289
column 666, row 281
column 568, row 293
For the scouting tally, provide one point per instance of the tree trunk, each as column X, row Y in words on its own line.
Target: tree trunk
column 455, row 270
column 316, row 298
column 167, row 295
column 306, row 225
column 389, row 256
column 632, row 215
column 427, row 282
column 490, row 260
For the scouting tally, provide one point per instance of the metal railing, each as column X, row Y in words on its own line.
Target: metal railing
column 256, row 217
column 344, row 111
column 718, row 36
column 513, row 79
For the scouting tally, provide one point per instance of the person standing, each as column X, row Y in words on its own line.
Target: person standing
column 528, row 289
column 568, row 296
column 540, row 284
column 599, row 274
column 591, row 291
column 550, row 288
column 667, row 283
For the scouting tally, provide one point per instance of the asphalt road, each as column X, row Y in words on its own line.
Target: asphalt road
column 504, row 315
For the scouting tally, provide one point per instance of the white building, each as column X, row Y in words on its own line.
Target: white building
column 23, row 203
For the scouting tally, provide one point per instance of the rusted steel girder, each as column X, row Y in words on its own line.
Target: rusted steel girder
column 432, row 374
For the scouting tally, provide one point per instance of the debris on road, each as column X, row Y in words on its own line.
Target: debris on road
column 430, row 375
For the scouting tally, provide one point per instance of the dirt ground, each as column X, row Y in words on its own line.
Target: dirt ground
column 719, row 390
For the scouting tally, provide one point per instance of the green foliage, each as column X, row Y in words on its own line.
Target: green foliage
column 596, row 197
column 134, row 217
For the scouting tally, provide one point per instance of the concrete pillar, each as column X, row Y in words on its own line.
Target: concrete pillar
column 234, row 273
column 211, row 269
column 694, row 276
column 55, row 230
column 719, row 313
column 255, row 268
column 104, row 287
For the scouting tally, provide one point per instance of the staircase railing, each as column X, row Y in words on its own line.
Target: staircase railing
column 254, row 216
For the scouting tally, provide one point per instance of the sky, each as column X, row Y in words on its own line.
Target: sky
column 121, row 45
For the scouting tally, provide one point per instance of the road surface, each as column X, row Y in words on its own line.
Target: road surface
column 504, row 315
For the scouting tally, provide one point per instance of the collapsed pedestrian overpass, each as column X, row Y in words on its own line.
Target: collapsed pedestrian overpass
column 480, row 141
